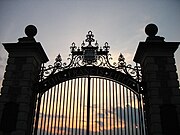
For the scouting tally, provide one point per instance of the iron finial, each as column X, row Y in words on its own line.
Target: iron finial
column 90, row 37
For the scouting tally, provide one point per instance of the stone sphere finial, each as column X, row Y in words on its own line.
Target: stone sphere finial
column 31, row 31
column 151, row 30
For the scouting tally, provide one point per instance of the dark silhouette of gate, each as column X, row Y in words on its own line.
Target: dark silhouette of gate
column 90, row 95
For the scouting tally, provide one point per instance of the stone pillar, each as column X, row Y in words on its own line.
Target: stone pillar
column 160, row 83
column 18, row 97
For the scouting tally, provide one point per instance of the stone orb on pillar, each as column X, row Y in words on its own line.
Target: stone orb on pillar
column 151, row 30
column 30, row 31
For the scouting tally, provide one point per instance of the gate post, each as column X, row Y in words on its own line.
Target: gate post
column 18, row 98
column 160, row 81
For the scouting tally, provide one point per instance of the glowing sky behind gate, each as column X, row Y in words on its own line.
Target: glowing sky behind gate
column 110, row 103
column 60, row 22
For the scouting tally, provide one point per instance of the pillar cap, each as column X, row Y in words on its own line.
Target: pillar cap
column 155, row 49
column 26, row 49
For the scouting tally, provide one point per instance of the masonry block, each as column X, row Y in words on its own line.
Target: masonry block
column 7, row 82
column 4, row 99
column 20, row 132
column 149, row 60
column 4, row 89
column 153, row 92
column 21, row 125
column 154, row 84
column 155, row 128
column 10, row 67
column 154, row 109
column 28, row 67
column 173, row 83
column 22, row 116
column 151, row 76
column 155, row 117
column 170, row 60
column 24, row 107
column 155, row 100
column 173, row 75
column 10, row 60
column 170, row 67
column 151, row 68
column 175, row 100
column 23, row 99
column 26, row 91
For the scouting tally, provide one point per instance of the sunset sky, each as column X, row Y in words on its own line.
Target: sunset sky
column 121, row 23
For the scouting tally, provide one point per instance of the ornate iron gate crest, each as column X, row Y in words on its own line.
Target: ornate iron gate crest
column 91, row 55
column 88, row 61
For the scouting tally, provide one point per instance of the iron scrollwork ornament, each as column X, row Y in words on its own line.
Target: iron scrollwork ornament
column 91, row 55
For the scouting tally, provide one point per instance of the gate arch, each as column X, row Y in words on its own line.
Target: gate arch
column 110, row 103
column 85, row 71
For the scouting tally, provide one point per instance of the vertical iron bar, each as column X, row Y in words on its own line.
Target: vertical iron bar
column 124, row 109
column 56, row 106
column 61, row 104
column 140, row 115
column 47, row 100
column 139, row 106
column 96, row 104
column 136, row 126
column 92, row 90
column 49, row 112
column 80, row 107
column 99, row 106
column 59, row 114
column 103, row 103
column 52, row 115
column 113, row 108
column 121, row 116
column 66, row 88
column 70, row 104
column 88, row 104
column 110, row 104
column 132, row 121
column 106, row 107
column 42, row 117
column 37, row 114
column 77, row 105
column 117, row 110
column 127, row 96
column 73, row 104
column 84, row 104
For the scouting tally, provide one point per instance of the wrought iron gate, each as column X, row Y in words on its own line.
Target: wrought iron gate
column 90, row 96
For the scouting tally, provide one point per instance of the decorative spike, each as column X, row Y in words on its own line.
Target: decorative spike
column 106, row 46
column 73, row 47
column 83, row 44
column 90, row 37
column 58, row 58
column 96, row 44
